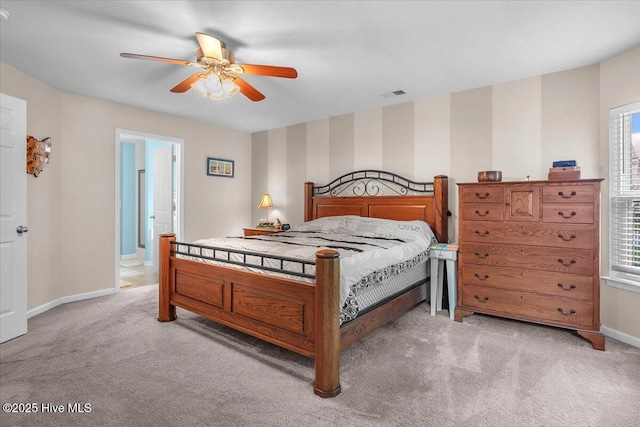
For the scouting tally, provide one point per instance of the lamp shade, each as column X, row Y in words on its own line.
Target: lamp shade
column 215, row 87
column 265, row 201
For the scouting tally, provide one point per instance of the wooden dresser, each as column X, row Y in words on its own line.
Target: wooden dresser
column 530, row 251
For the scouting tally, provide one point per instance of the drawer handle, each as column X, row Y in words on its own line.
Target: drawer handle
column 565, row 238
column 486, row 276
column 481, row 234
column 482, row 214
column 486, row 254
column 570, row 313
column 485, row 299
column 479, row 196
column 561, row 286
column 563, row 215
column 561, row 194
column 573, row 261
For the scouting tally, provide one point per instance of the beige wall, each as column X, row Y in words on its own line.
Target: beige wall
column 43, row 193
column 619, row 85
column 515, row 125
column 570, row 111
column 71, row 205
column 518, row 127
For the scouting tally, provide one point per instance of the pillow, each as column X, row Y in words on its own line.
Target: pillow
column 327, row 224
column 364, row 226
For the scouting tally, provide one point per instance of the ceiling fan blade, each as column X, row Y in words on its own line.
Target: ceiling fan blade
column 185, row 85
column 159, row 59
column 269, row 70
column 248, row 90
column 211, row 46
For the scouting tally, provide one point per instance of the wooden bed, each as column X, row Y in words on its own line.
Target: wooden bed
column 300, row 316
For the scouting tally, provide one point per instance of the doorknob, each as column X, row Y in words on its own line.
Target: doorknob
column 21, row 229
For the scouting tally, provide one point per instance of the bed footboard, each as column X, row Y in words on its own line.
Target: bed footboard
column 302, row 317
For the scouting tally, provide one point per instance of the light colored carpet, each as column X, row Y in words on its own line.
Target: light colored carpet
column 112, row 353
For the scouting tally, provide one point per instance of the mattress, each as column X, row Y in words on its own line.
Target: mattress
column 378, row 257
column 368, row 298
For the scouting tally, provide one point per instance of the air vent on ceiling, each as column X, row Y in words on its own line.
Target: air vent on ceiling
column 392, row 93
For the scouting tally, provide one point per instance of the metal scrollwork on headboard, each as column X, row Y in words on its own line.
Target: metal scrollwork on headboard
column 370, row 183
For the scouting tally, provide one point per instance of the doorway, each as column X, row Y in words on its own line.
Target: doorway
column 148, row 202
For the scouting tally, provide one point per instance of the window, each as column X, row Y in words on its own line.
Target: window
column 624, row 175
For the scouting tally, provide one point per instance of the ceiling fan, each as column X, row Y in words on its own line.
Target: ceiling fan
column 219, row 76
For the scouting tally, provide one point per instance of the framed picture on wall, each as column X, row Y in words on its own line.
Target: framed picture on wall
column 220, row 167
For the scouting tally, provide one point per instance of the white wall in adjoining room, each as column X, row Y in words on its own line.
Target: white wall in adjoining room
column 141, row 253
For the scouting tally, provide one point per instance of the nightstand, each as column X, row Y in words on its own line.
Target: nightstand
column 260, row 231
column 439, row 253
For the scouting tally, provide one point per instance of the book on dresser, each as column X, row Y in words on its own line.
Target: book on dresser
column 529, row 250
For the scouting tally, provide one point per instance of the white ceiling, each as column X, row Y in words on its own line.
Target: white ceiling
column 346, row 52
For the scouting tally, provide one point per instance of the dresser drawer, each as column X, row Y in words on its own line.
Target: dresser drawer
column 560, row 235
column 539, row 307
column 483, row 212
column 568, row 214
column 488, row 194
column 564, row 285
column 574, row 261
column 567, row 194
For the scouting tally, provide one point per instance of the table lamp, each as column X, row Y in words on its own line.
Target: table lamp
column 265, row 202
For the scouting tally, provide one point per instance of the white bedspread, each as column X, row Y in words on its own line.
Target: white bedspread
column 370, row 249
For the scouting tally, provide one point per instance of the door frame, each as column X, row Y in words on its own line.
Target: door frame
column 122, row 134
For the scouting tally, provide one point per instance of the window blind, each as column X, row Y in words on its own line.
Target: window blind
column 624, row 137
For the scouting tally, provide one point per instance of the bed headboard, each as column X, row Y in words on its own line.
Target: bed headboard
column 359, row 193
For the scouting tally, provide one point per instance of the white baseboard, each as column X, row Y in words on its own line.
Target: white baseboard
column 70, row 298
column 620, row 336
column 128, row 256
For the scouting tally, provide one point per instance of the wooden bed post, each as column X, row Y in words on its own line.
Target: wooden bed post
column 166, row 311
column 327, row 324
column 308, row 201
column 441, row 195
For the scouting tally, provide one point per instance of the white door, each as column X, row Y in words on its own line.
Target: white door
column 13, row 217
column 162, row 197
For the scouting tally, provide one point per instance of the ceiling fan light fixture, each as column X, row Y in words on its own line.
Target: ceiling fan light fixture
column 212, row 83
column 219, row 79
column 200, row 87
column 216, row 87
column 228, row 86
column 225, row 89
